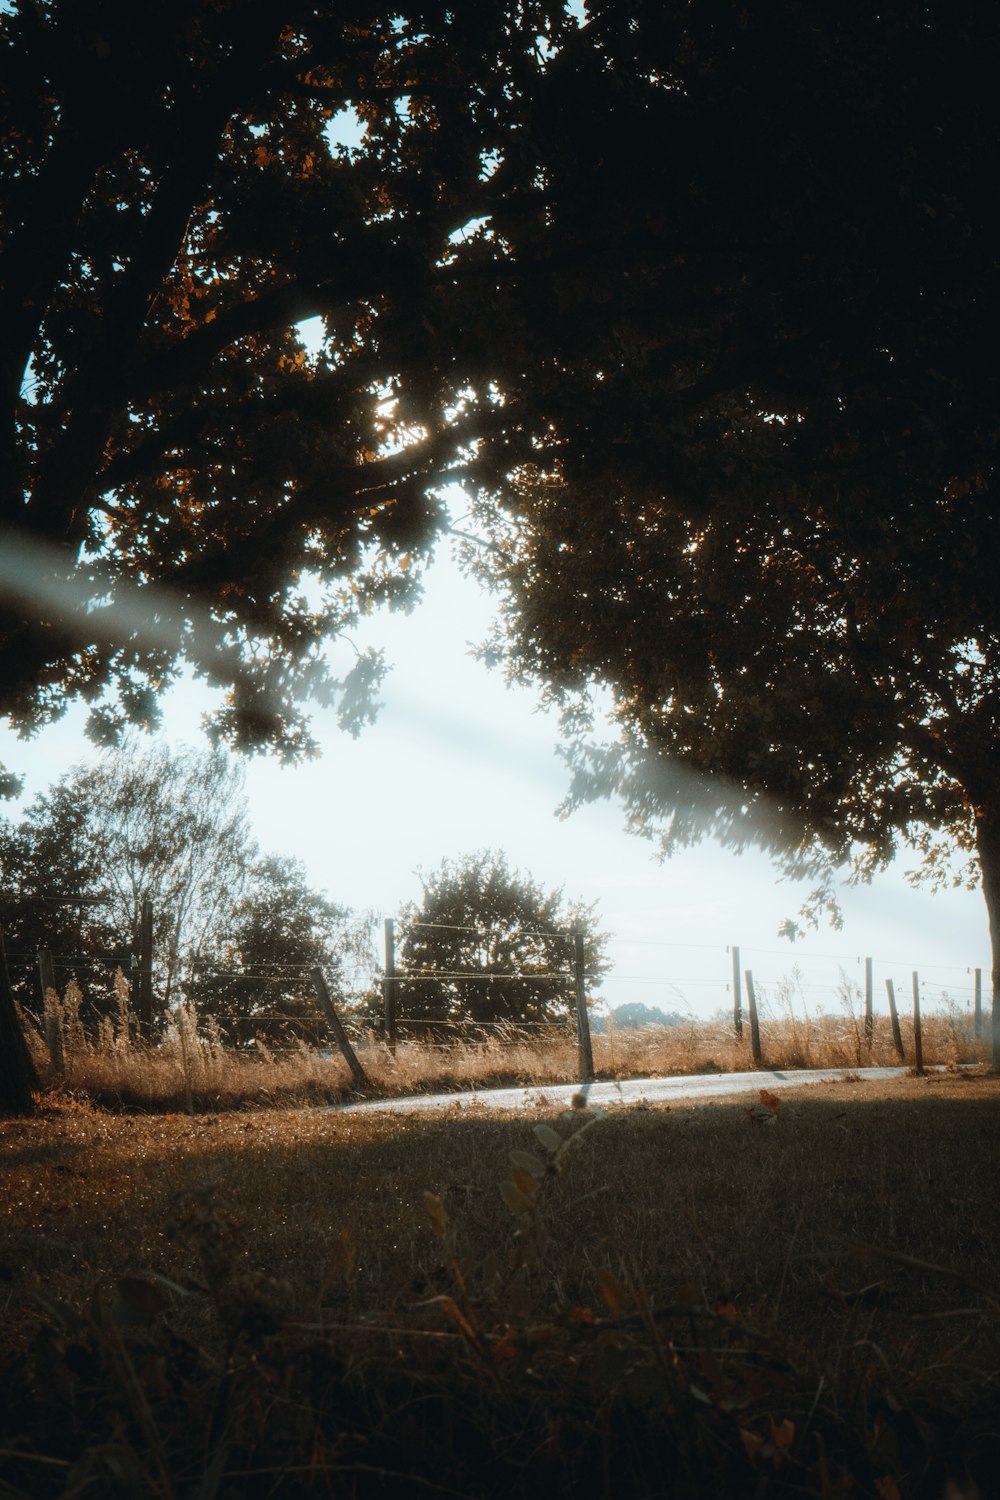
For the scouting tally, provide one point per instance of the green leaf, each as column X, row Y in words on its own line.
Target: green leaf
column 549, row 1138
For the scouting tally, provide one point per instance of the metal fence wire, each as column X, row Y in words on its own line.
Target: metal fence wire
column 371, row 996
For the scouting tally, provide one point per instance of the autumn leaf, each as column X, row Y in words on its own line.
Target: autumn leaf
column 581, row 1315
column 617, row 1299
column 751, row 1442
column 517, row 1201
column 504, row 1348
column 524, row 1182
column 434, row 1205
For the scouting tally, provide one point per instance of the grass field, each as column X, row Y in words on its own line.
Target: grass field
column 661, row 1302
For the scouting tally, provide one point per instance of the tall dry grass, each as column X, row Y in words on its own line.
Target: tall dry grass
column 189, row 1067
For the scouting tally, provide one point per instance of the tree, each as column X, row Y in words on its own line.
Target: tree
column 494, row 945
column 185, row 481
column 634, row 1015
column 257, row 983
column 166, row 824
column 18, row 1079
column 234, row 932
column 763, row 511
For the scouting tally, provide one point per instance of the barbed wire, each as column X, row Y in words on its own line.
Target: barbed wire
column 484, row 976
column 257, row 977
column 208, row 966
column 471, row 1025
column 490, row 931
column 842, row 958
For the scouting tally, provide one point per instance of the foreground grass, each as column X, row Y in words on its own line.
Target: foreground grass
column 675, row 1302
column 191, row 1070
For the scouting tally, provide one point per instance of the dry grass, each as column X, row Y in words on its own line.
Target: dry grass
column 192, row 1070
column 692, row 1304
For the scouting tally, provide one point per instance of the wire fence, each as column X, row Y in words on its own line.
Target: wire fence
column 697, row 980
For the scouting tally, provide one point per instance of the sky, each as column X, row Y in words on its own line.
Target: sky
column 458, row 762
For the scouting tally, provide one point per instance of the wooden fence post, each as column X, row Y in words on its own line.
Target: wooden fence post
column 918, row 1041
column 978, row 1001
column 897, row 1036
column 758, row 1056
column 586, row 1051
column 144, row 1008
column 50, row 1022
column 336, row 1026
column 737, row 995
column 869, row 1004
column 389, row 984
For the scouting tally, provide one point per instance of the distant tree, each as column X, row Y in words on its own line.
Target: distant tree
column 164, row 823
column 256, row 981
column 48, row 861
column 234, row 932
column 493, row 944
column 635, row 1014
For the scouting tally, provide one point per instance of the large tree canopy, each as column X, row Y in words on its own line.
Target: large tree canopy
column 175, row 204
column 767, row 517
column 764, row 509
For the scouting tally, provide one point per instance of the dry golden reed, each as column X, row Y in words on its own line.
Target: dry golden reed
column 188, row 1066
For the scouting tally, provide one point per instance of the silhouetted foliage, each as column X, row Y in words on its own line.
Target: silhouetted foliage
column 763, row 507
column 494, row 944
column 179, row 199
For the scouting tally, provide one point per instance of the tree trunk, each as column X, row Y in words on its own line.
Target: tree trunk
column 988, row 847
column 18, row 1079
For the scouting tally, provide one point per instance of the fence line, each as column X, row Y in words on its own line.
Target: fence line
column 758, row 989
column 459, row 1028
